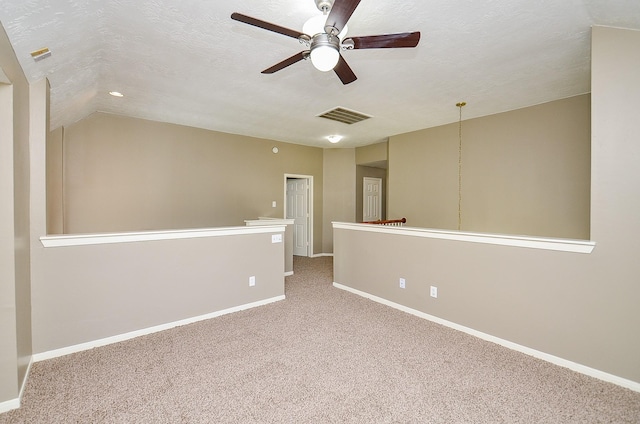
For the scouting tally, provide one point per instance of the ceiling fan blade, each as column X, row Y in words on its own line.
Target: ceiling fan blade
column 340, row 13
column 289, row 61
column 405, row 39
column 344, row 72
column 266, row 25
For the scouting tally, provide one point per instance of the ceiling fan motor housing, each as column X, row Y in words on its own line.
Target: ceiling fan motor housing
column 325, row 51
column 323, row 39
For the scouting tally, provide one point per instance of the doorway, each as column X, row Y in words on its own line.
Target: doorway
column 372, row 199
column 298, row 205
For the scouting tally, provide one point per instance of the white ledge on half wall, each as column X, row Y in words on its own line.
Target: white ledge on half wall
column 564, row 245
column 269, row 221
column 106, row 238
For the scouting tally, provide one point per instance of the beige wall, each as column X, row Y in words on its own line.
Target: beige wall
column 54, row 182
column 8, row 348
column 579, row 307
column 339, row 201
column 15, row 306
column 525, row 171
column 126, row 174
column 169, row 281
column 288, row 238
column 373, row 154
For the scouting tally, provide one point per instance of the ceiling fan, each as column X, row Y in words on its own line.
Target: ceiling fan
column 324, row 35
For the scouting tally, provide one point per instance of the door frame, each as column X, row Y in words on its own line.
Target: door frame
column 364, row 194
column 309, row 179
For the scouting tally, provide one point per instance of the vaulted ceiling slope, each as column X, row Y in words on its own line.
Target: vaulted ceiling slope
column 189, row 63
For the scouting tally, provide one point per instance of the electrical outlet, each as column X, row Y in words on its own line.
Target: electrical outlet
column 434, row 291
column 252, row 281
column 403, row 283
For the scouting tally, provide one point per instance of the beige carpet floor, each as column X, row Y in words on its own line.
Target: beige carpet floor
column 323, row 355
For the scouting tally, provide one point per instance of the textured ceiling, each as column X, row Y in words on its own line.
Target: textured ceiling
column 188, row 63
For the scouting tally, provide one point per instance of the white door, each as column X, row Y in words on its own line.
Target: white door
column 298, row 210
column 372, row 201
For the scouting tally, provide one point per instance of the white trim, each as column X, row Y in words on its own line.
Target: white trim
column 321, row 255
column 288, row 274
column 274, row 221
column 564, row 245
column 582, row 369
column 132, row 334
column 9, row 405
column 107, row 238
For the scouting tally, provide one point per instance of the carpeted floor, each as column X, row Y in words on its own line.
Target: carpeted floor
column 323, row 355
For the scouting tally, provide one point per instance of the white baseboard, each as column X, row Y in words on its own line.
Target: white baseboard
column 288, row 274
column 321, row 255
column 583, row 369
column 9, row 405
column 130, row 335
column 15, row 403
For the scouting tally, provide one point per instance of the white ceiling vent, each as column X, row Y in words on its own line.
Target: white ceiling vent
column 346, row 116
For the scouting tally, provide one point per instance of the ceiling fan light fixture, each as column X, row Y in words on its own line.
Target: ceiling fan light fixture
column 324, row 44
column 324, row 52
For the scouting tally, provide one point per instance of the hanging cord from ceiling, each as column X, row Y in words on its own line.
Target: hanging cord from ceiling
column 460, row 105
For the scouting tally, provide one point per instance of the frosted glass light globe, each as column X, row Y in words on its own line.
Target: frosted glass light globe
column 324, row 58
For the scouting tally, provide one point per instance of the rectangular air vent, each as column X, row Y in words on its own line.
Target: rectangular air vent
column 346, row 116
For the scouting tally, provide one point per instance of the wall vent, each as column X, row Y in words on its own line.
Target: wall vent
column 346, row 116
